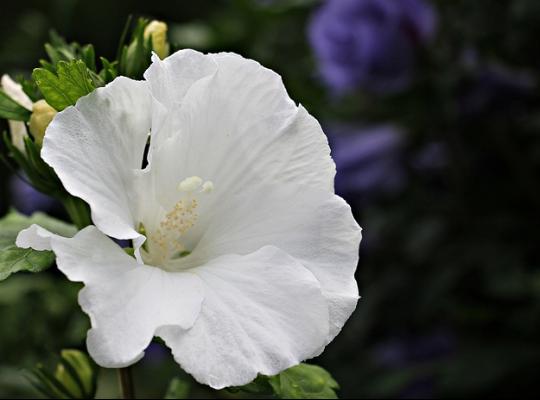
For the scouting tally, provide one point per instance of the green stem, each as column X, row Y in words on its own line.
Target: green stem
column 78, row 211
column 125, row 379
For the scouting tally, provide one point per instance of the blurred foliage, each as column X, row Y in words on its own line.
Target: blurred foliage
column 449, row 272
column 75, row 377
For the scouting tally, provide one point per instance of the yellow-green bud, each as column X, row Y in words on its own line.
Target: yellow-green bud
column 42, row 115
column 157, row 30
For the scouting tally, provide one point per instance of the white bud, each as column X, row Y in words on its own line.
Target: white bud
column 157, row 30
column 17, row 129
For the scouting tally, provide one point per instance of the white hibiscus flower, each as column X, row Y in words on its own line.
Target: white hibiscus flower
column 245, row 257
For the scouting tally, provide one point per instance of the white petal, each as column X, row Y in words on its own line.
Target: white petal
column 16, row 92
column 95, row 148
column 315, row 227
column 238, row 127
column 262, row 313
column 127, row 302
column 171, row 78
column 169, row 81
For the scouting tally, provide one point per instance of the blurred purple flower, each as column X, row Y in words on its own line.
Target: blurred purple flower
column 368, row 161
column 369, row 43
column 28, row 200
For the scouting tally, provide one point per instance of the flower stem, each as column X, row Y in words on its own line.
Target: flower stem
column 126, row 383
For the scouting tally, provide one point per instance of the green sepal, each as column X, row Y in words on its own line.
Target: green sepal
column 109, row 70
column 135, row 57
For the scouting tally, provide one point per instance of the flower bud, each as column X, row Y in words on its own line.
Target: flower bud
column 17, row 129
column 157, row 30
column 42, row 115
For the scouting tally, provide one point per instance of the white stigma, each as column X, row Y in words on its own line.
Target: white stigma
column 207, row 187
column 190, row 184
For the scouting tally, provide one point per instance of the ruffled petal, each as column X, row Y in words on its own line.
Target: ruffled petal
column 127, row 302
column 97, row 146
column 315, row 227
column 262, row 313
column 169, row 80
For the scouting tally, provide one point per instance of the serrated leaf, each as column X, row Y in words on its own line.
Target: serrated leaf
column 178, row 389
column 63, row 89
column 14, row 259
column 10, row 109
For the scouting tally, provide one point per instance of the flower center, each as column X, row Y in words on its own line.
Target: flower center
column 168, row 240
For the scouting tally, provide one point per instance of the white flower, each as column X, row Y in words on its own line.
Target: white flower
column 16, row 128
column 249, row 257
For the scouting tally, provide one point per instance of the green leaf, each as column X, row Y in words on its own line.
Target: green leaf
column 10, row 109
column 14, row 259
column 72, row 81
column 303, row 381
column 178, row 389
